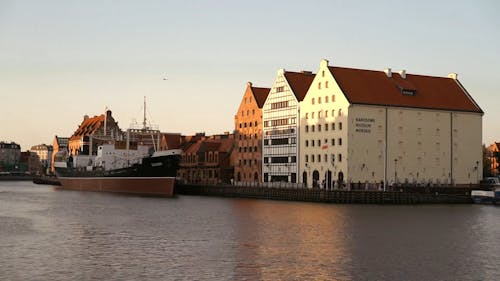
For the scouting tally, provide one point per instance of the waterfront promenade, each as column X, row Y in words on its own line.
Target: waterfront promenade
column 401, row 195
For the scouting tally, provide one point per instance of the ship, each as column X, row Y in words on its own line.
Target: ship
column 122, row 166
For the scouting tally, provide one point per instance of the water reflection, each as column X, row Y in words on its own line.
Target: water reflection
column 283, row 240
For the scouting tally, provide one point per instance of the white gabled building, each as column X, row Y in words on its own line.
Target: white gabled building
column 280, row 117
column 365, row 126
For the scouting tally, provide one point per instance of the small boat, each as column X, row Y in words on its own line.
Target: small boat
column 483, row 196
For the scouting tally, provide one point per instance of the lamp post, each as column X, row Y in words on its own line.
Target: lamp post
column 395, row 170
column 477, row 171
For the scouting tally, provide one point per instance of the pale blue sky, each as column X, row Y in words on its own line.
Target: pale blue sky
column 62, row 59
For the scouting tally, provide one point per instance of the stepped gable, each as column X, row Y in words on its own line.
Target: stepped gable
column 403, row 90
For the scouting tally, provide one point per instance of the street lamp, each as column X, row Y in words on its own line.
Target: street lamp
column 477, row 171
column 395, row 170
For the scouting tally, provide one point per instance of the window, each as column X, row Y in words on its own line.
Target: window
column 319, row 100
column 312, row 115
column 326, row 98
column 333, row 142
column 280, row 89
column 333, row 157
column 253, row 111
column 312, row 101
column 333, row 112
column 319, row 142
column 319, row 157
column 312, row 128
column 319, row 128
column 277, row 105
column 323, row 73
column 293, row 140
column 407, row 92
column 307, row 143
column 319, row 87
column 320, row 114
column 293, row 159
column 279, row 141
column 312, row 158
column 307, row 158
column 266, row 142
column 280, row 159
column 333, row 98
column 326, row 113
column 340, row 126
column 340, row 112
column 266, row 160
column 307, row 128
column 333, row 126
column 307, row 115
column 326, row 157
column 312, row 142
column 326, row 84
column 340, row 141
column 256, row 123
column 266, row 123
column 340, row 157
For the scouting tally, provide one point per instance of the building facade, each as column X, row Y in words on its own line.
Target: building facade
column 379, row 127
column 60, row 146
column 280, row 117
column 207, row 160
column 92, row 132
column 248, row 135
column 44, row 153
column 493, row 152
column 10, row 155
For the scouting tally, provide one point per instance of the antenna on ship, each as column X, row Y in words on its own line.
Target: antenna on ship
column 144, row 123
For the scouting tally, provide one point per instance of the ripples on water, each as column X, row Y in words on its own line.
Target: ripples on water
column 66, row 235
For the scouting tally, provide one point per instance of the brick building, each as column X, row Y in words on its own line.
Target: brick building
column 248, row 135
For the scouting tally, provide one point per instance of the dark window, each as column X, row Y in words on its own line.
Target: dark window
column 282, row 159
column 340, row 125
column 340, row 141
column 266, row 160
column 307, row 143
column 340, row 157
column 279, row 141
column 293, row 159
column 266, row 142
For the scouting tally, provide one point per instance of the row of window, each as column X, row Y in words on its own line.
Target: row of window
column 280, row 104
column 280, row 159
column 280, row 132
column 317, row 158
column 244, row 136
column 248, row 112
column 332, row 126
column 280, row 122
column 313, row 100
column 248, row 149
column 192, row 158
column 244, row 125
column 318, row 142
column 280, row 141
column 320, row 114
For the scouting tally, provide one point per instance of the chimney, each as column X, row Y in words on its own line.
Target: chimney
column 85, row 117
column 453, row 76
column 402, row 73
column 306, row 72
column 249, row 84
column 388, row 72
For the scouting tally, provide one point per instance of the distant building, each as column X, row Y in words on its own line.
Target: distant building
column 248, row 135
column 366, row 126
column 10, row 155
column 280, row 116
column 30, row 163
column 207, row 160
column 59, row 145
column 44, row 153
column 493, row 157
column 92, row 132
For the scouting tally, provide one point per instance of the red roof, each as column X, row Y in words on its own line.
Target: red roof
column 299, row 82
column 375, row 88
column 260, row 95
column 88, row 126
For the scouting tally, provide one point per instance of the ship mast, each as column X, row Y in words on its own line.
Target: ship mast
column 144, row 123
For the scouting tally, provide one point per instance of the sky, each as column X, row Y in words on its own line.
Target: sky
column 60, row 60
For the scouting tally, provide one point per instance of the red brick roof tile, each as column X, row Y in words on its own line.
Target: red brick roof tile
column 260, row 95
column 299, row 82
column 375, row 88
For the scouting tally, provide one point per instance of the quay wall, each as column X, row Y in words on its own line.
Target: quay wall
column 457, row 196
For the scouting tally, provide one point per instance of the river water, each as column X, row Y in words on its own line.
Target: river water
column 50, row 234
